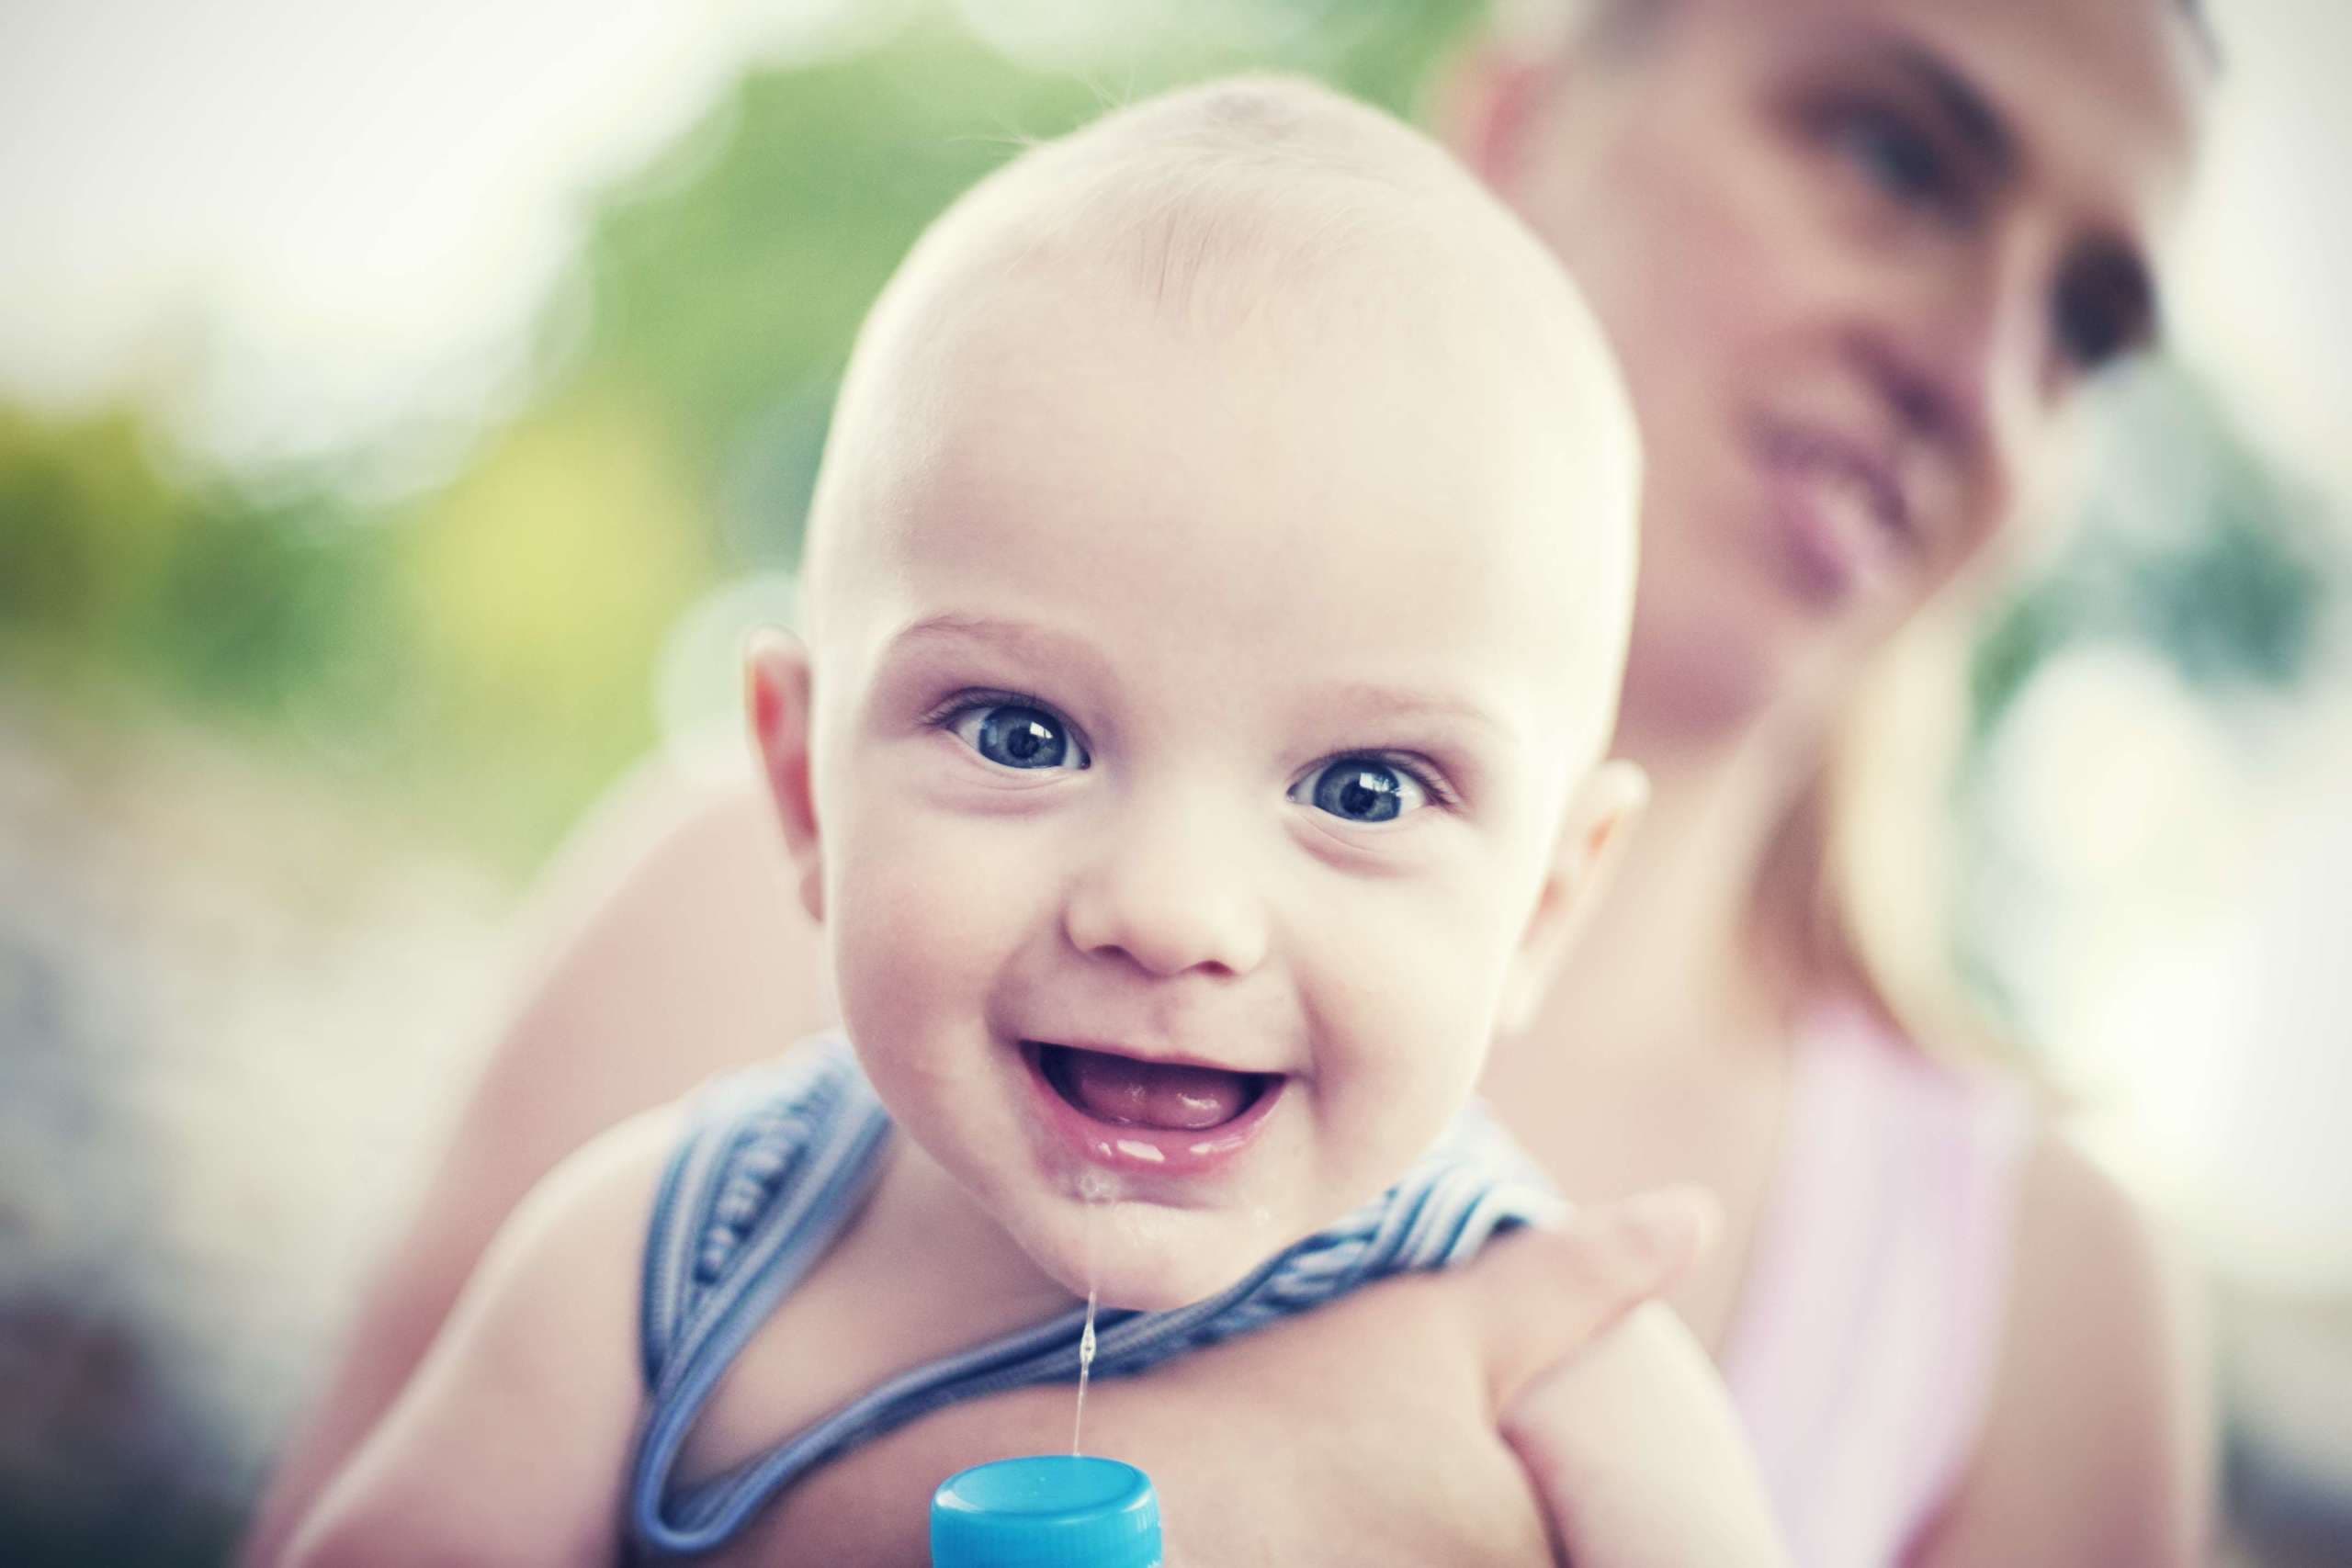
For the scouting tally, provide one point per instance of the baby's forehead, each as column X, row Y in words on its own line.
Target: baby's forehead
column 1286, row 270
column 1074, row 392
column 1207, row 498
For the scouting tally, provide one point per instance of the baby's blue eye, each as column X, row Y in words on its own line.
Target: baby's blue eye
column 1362, row 789
column 1014, row 735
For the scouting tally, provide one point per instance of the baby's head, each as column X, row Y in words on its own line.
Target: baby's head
column 1217, row 590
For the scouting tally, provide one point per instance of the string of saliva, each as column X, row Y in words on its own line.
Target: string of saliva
column 1096, row 1193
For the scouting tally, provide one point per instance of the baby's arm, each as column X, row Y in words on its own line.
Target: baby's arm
column 668, row 917
column 510, row 1442
column 1630, row 1439
column 1638, row 1456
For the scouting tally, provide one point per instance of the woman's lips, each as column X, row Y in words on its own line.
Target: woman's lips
column 1142, row 1116
column 1839, row 517
column 1825, row 548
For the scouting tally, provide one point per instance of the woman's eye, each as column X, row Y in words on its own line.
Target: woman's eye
column 1905, row 163
column 1016, row 735
column 1362, row 789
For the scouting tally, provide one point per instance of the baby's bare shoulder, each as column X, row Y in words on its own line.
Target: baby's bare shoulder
column 537, row 1359
column 555, row 1298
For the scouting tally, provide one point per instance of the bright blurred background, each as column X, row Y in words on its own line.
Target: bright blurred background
column 405, row 407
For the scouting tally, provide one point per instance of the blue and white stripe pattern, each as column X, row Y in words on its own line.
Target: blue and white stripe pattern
column 774, row 1163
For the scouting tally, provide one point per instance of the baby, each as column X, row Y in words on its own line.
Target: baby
column 1217, row 587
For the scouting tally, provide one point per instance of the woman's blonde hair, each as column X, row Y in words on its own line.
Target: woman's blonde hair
column 1877, row 845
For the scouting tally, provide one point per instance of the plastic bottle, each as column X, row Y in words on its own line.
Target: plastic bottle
column 1051, row 1511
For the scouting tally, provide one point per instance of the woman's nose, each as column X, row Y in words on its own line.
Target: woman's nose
column 1959, row 371
column 1170, row 889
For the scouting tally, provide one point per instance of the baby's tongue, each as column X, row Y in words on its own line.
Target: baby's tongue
column 1152, row 1094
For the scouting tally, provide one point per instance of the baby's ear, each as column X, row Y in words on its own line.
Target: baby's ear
column 776, row 691
column 1601, row 814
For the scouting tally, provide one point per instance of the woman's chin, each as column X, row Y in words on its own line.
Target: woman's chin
column 1689, row 681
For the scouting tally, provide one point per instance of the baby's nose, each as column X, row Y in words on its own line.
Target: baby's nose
column 1170, row 890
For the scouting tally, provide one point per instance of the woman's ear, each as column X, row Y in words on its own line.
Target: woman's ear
column 1601, row 815
column 776, row 690
column 1481, row 106
column 1487, row 101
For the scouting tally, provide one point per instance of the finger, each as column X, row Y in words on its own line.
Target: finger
column 1545, row 1292
column 1640, row 1458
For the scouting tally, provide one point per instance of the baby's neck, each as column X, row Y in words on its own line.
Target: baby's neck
column 937, row 1234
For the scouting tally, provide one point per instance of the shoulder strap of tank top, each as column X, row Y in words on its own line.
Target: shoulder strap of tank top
column 774, row 1161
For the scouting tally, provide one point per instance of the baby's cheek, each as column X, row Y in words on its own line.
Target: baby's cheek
column 1434, row 978
column 1406, row 1028
column 910, row 931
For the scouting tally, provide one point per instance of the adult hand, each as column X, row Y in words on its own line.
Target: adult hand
column 1367, row 1432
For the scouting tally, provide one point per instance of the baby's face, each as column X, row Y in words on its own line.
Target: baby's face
column 1194, row 717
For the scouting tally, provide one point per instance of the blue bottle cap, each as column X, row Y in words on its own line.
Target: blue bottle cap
column 1052, row 1511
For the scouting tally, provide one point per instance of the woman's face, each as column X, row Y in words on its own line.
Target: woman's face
column 1859, row 256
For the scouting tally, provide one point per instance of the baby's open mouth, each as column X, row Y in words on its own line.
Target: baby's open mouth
column 1127, row 1093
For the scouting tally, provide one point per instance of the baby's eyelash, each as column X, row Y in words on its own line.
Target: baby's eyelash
column 1414, row 766
column 963, row 702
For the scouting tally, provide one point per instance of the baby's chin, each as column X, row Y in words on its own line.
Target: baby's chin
column 1153, row 1257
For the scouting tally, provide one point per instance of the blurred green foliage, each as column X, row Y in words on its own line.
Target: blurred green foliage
column 484, row 652
column 2210, row 555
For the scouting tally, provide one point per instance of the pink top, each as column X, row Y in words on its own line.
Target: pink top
column 1864, row 1344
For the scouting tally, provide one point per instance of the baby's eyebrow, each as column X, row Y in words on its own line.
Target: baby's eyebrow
column 1023, row 642
column 1372, row 701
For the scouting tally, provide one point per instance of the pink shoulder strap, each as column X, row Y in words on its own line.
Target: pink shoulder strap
column 1873, row 1304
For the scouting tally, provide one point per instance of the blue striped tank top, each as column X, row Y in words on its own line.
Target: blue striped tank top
column 775, row 1160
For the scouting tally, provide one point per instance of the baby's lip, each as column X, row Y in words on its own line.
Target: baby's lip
column 1149, row 1115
